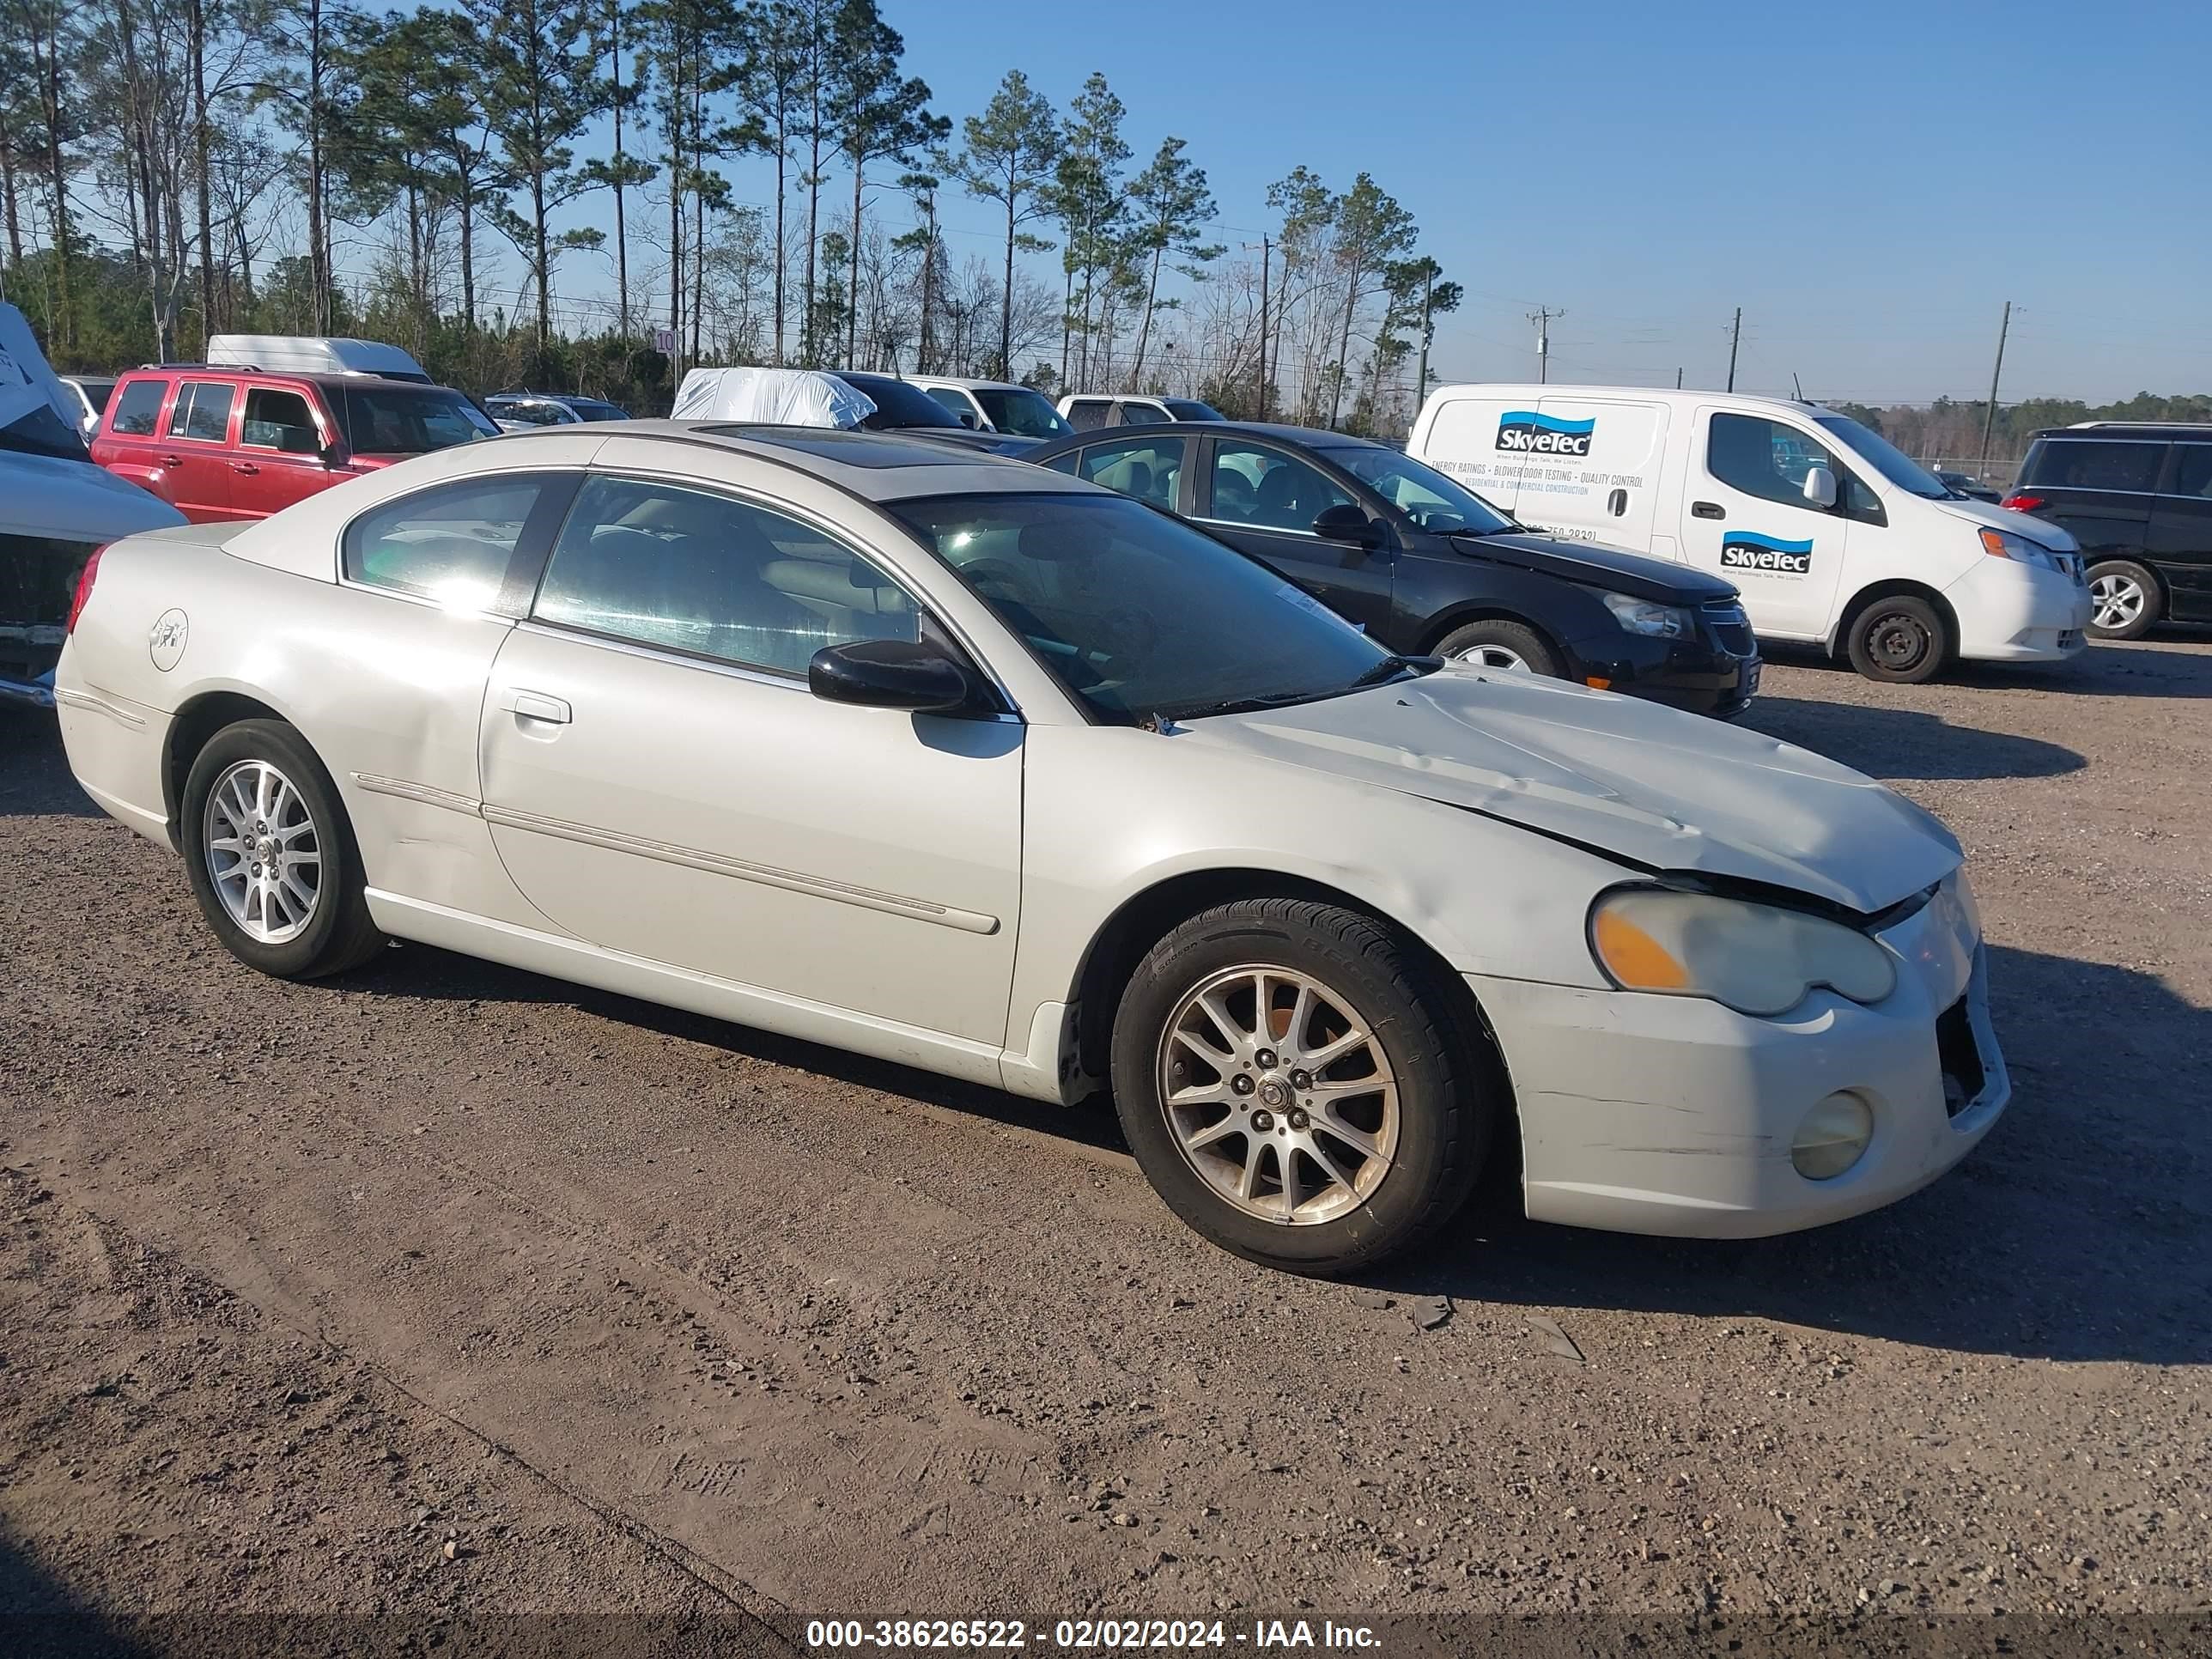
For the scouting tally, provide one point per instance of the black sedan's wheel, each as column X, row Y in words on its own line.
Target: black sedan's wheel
column 1296, row 1087
column 270, row 856
column 1899, row 640
column 2125, row 600
column 1496, row 643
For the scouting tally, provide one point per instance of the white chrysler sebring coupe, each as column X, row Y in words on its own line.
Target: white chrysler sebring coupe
column 962, row 763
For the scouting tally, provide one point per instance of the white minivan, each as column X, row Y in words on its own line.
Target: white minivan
column 1834, row 536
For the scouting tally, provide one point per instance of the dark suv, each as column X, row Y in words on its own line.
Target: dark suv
column 2138, row 497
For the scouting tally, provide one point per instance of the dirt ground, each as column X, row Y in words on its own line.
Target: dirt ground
column 443, row 1295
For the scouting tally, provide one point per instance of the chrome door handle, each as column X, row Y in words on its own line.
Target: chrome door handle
column 247, row 467
column 536, row 705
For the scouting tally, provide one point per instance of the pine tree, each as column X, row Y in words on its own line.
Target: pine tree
column 885, row 118
column 1009, row 155
column 1092, row 208
column 1170, row 204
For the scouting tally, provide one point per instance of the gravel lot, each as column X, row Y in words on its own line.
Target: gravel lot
column 444, row 1292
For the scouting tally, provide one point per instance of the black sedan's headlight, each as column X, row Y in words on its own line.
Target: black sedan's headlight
column 1663, row 621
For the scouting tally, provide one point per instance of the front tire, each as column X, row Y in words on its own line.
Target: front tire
column 1496, row 643
column 271, row 857
column 2125, row 598
column 1298, row 1087
column 1898, row 640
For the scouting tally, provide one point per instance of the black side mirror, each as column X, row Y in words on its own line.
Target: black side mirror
column 968, row 419
column 1347, row 523
column 335, row 455
column 892, row 674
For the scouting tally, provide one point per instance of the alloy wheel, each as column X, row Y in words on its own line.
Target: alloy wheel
column 2119, row 601
column 1279, row 1095
column 1494, row 656
column 264, row 852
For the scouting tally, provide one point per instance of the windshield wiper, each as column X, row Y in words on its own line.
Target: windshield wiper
column 1198, row 711
column 1392, row 665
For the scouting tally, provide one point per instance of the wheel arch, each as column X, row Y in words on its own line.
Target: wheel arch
column 191, row 729
column 1478, row 610
column 1145, row 917
column 1847, row 616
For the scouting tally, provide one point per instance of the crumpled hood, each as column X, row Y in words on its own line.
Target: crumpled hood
column 1643, row 783
column 2042, row 532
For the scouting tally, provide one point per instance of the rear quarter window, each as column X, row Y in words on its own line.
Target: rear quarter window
column 2109, row 463
column 138, row 407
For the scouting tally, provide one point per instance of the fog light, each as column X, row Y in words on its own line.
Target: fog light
column 1833, row 1137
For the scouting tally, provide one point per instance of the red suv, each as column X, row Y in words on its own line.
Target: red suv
column 233, row 443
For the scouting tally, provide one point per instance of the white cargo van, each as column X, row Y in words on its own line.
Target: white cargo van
column 1834, row 535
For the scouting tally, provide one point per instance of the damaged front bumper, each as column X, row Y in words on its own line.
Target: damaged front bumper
column 1675, row 1115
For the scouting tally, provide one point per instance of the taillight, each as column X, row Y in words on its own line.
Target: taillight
column 2021, row 502
column 83, row 587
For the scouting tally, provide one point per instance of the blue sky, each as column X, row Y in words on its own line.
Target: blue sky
column 1870, row 183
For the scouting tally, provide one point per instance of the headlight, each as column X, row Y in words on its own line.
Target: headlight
column 1756, row 958
column 2003, row 544
column 1666, row 621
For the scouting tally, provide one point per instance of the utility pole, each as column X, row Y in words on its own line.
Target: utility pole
column 1428, row 333
column 1543, row 316
column 1990, row 419
column 1736, row 335
column 1266, row 255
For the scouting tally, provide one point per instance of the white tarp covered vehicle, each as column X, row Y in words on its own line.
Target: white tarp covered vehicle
column 56, row 506
column 774, row 397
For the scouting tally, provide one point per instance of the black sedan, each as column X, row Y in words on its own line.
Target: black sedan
column 910, row 410
column 1429, row 568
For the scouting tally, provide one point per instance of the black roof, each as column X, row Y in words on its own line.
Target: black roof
column 1313, row 437
column 2158, row 431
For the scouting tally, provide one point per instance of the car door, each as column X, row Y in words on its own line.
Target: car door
column 1746, row 518
column 2180, row 539
column 660, row 781
column 1264, row 499
column 130, row 443
column 195, row 456
column 1610, row 492
column 1153, row 468
column 279, row 459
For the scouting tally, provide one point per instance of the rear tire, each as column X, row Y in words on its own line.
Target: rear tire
column 1496, row 643
column 271, row 857
column 1899, row 640
column 1350, row 1110
column 2129, row 596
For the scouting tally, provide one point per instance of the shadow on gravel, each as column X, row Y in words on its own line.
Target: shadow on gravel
column 2161, row 665
column 40, row 1619
column 1904, row 742
column 2079, row 1230
column 34, row 775
column 421, row 970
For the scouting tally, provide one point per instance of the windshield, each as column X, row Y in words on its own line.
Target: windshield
column 526, row 414
column 589, row 409
column 1135, row 613
column 1024, row 413
column 899, row 404
column 1435, row 503
column 39, row 431
column 1886, row 458
column 1189, row 408
column 384, row 418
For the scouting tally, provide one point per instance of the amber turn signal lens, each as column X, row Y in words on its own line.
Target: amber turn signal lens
column 1636, row 959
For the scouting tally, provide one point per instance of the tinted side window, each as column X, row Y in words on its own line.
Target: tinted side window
column 1066, row 463
column 202, row 411
column 278, row 420
column 138, row 408
column 1268, row 489
column 955, row 401
column 2099, row 464
column 1088, row 414
column 452, row 545
column 2192, row 470
column 1765, row 458
column 1141, row 414
column 1149, row 469
column 714, row 577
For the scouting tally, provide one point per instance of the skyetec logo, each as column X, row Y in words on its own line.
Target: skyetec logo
column 1745, row 550
column 1527, row 432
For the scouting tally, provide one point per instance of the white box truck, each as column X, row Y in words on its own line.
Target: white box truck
column 1834, row 536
